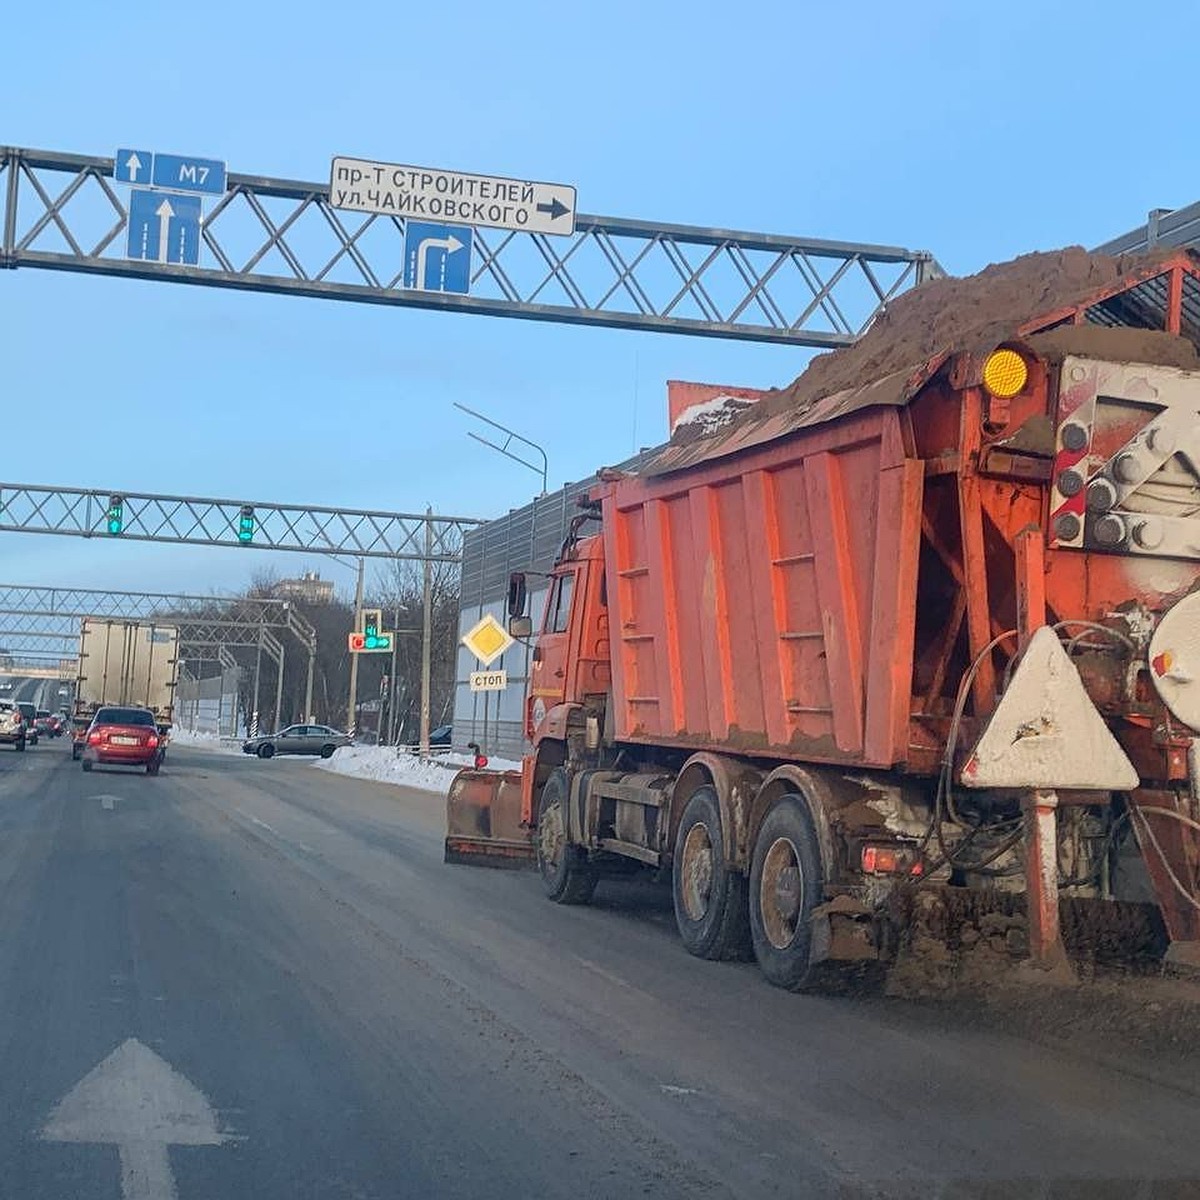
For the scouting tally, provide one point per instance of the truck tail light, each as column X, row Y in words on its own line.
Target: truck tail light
column 891, row 860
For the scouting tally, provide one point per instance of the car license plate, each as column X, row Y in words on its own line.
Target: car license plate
column 124, row 741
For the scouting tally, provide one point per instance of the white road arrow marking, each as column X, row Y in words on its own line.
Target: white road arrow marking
column 106, row 801
column 449, row 244
column 133, row 165
column 137, row 1102
column 164, row 212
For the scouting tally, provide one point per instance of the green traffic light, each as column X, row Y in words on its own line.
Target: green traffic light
column 246, row 524
column 115, row 516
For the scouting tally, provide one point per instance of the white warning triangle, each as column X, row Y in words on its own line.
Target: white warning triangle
column 1046, row 733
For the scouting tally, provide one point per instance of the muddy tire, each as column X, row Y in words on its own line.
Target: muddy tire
column 327, row 751
column 786, row 884
column 266, row 750
column 87, row 764
column 710, row 896
column 152, row 768
column 566, row 877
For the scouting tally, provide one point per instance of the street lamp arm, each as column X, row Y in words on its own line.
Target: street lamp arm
column 512, row 436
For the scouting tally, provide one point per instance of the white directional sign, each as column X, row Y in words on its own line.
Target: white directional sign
column 140, row 1104
column 428, row 193
column 489, row 681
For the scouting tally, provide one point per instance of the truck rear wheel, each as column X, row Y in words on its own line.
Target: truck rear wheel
column 566, row 876
column 786, row 884
column 75, row 751
column 710, row 897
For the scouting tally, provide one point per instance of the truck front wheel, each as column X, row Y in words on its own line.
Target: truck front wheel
column 710, row 897
column 785, row 886
column 565, row 873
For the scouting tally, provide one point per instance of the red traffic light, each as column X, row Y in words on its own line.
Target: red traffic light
column 357, row 641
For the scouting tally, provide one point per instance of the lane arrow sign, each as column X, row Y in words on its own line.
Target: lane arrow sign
column 556, row 208
column 164, row 212
column 133, row 165
column 449, row 244
column 137, row 1102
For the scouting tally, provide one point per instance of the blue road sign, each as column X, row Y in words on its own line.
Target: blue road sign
column 437, row 258
column 133, row 166
column 183, row 174
column 164, row 228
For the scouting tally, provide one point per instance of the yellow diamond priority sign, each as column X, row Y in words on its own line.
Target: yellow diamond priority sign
column 487, row 640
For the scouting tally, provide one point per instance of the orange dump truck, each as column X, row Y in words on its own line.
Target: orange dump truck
column 925, row 624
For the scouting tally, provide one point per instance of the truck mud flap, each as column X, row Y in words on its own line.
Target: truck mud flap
column 483, row 821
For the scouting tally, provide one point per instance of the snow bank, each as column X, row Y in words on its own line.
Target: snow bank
column 199, row 740
column 384, row 765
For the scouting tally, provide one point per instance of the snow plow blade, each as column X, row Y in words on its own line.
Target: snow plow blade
column 483, row 821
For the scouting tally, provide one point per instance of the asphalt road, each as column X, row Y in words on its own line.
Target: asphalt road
column 286, row 946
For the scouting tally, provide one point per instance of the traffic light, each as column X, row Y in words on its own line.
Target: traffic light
column 116, row 514
column 246, row 524
column 373, row 639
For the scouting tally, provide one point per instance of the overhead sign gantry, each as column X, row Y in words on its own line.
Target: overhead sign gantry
column 72, row 212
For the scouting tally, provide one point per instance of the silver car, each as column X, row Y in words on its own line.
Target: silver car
column 297, row 739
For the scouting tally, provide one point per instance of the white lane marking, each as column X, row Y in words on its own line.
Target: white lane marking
column 272, row 830
column 137, row 1102
column 672, row 1090
column 256, row 821
column 599, row 970
column 107, row 801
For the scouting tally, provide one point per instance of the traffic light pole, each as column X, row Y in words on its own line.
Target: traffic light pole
column 391, row 696
column 426, row 634
column 358, row 612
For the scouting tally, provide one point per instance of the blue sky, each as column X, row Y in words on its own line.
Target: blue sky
column 974, row 131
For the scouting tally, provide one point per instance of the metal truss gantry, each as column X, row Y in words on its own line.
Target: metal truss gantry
column 195, row 520
column 65, row 212
column 205, row 622
column 1164, row 228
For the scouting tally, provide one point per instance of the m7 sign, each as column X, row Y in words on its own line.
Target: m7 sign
column 450, row 196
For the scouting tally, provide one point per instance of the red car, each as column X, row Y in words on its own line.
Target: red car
column 126, row 737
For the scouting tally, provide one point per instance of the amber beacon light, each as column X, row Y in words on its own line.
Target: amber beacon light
column 1005, row 373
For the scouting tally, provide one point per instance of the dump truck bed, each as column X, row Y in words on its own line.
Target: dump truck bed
column 764, row 603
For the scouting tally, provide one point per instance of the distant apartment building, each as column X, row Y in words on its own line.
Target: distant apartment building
column 310, row 588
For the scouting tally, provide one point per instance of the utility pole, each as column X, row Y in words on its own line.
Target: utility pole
column 358, row 604
column 426, row 632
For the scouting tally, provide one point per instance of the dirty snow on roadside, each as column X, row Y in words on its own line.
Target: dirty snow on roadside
column 384, row 765
column 199, row 740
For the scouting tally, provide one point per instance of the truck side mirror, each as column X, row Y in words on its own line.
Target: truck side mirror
column 520, row 627
column 517, row 594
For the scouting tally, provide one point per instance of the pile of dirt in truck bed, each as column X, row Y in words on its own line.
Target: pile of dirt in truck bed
column 951, row 314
